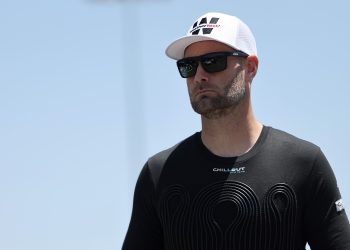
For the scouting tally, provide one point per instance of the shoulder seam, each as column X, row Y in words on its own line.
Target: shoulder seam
column 157, row 162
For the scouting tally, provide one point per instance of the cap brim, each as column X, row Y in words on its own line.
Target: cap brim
column 177, row 48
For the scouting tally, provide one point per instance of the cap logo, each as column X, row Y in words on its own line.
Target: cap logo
column 203, row 25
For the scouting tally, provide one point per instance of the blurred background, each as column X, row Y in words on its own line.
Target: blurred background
column 87, row 95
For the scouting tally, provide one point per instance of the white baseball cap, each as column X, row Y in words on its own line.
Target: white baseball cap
column 220, row 27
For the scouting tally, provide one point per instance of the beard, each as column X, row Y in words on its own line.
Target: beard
column 221, row 104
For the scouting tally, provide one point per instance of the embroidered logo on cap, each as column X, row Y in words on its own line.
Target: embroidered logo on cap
column 206, row 27
column 339, row 204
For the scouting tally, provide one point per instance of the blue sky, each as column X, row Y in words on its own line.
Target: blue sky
column 87, row 95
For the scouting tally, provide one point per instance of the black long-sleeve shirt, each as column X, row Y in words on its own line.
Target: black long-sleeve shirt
column 278, row 196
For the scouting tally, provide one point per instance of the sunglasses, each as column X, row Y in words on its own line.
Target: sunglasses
column 212, row 62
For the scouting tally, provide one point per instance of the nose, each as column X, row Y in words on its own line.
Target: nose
column 201, row 75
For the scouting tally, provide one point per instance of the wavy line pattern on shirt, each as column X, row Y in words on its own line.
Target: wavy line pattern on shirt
column 280, row 211
column 193, row 224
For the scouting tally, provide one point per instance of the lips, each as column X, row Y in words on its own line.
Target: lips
column 204, row 92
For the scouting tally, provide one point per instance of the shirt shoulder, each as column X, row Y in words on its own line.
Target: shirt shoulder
column 157, row 162
column 292, row 146
column 283, row 137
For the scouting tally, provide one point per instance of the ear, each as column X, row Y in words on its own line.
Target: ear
column 252, row 63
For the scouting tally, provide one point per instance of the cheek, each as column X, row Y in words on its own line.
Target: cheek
column 189, row 85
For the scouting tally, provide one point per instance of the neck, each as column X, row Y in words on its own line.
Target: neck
column 233, row 134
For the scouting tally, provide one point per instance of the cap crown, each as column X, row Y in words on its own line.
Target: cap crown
column 220, row 27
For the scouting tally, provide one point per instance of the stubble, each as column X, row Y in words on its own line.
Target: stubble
column 214, row 107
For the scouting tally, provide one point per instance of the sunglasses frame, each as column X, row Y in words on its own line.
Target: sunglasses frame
column 204, row 59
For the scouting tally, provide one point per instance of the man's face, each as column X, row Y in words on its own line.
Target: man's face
column 213, row 95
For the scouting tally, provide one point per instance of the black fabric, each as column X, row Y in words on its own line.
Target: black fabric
column 278, row 196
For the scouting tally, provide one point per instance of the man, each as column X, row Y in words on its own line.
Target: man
column 237, row 184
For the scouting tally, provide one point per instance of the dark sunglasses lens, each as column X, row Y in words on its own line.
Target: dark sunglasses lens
column 211, row 63
column 215, row 63
column 187, row 68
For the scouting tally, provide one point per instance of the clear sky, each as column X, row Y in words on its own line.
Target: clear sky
column 87, row 95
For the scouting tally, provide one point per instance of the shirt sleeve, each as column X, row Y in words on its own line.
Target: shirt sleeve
column 326, row 224
column 144, row 232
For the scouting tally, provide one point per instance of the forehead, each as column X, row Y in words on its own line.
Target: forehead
column 204, row 47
